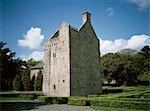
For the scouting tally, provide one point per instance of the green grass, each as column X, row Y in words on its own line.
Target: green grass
column 113, row 109
column 9, row 98
column 137, row 97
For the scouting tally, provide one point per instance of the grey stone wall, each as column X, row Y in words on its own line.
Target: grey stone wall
column 72, row 61
column 57, row 65
column 85, row 61
column 34, row 72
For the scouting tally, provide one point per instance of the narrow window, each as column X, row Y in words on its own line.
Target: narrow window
column 54, row 87
column 63, row 80
column 54, row 55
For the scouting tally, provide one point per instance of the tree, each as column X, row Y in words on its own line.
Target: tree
column 31, row 62
column 126, row 69
column 33, row 82
column 118, row 67
column 143, row 63
column 17, row 84
column 9, row 67
column 39, row 81
column 26, row 80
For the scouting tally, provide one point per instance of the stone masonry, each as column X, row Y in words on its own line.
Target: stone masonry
column 72, row 61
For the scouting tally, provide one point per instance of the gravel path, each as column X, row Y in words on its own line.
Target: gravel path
column 64, row 107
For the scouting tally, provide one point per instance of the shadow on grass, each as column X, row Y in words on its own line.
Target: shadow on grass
column 13, row 106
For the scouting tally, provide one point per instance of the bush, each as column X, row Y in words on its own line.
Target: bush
column 146, row 95
column 121, row 103
column 26, row 80
column 53, row 100
column 44, row 99
column 17, row 84
column 135, row 103
column 27, row 96
column 106, row 91
column 59, row 100
column 38, row 81
column 79, row 102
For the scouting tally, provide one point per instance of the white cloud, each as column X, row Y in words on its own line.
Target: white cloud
column 32, row 39
column 36, row 55
column 142, row 4
column 110, row 11
column 136, row 42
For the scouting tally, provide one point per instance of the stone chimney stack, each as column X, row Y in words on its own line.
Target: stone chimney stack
column 86, row 17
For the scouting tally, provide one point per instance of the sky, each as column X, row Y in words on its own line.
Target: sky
column 25, row 25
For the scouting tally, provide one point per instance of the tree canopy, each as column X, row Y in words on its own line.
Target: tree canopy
column 9, row 66
column 126, row 68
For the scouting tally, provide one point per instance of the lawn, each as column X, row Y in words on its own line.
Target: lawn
column 112, row 99
column 116, row 98
column 113, row 109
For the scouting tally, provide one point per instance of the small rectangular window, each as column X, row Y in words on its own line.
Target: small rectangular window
column 54, row 55
column 54, row 87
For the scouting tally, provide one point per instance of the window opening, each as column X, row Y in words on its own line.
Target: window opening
column 54, row 87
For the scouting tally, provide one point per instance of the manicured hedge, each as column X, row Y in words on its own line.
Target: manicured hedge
column 44, row 99
column 53, row 100
column 27, row 96
column 146, row 95
column 121, row 103
column 79, row 102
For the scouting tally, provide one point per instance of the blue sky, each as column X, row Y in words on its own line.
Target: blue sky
column 115, row 22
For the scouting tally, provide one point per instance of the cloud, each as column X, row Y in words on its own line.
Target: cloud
column 36, row 55
column 136, row 42
column 32, row 39
column 142, row 4
column 110, row 11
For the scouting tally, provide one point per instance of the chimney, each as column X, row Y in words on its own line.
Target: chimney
column 86, row 17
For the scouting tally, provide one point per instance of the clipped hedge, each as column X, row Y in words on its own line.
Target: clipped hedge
column 79, row 102
column 53, row 100
column 146, row 95
column 44, row 99
column 59, row 100
column 27, row 96
column 121, row 103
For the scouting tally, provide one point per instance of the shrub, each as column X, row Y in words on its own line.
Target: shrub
column 121, row 103
column 27, row 96
column 44, row 99
column 38, row 81
column 146, row 95
column 106, row 91
column 26, row 80
column 32, row 82
column 17, row 84
column 59, row 100
column 53, row 100
column 79, row 102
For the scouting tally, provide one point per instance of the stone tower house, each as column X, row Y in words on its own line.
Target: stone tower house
column 72, row 61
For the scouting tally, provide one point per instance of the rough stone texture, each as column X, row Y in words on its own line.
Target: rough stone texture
column 72, row 61
column 57, row 66
column 85, row 61
column 34, row 72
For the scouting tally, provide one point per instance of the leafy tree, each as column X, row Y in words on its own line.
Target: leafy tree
column 31, row 62
column 39, row 80
column 33, row 82
column 144, row 76
column 26, row 80
column 126, row 68
column 17, row 84
column 143, row 64
column 9, row 67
